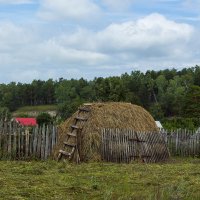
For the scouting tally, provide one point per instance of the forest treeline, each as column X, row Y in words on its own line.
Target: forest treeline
column 165, row 93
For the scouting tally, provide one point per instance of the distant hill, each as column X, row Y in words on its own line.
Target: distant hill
column 33, row 111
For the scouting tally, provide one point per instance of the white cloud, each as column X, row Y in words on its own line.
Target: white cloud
column 57, row 53
column 149, row 32
column 68, row 9
column 153, row 35
column 150, row 41
column 23, row 54
column 144, row 43
column 12, row 36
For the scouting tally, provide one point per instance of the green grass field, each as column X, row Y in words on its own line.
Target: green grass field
column 40, row 108
column 29, row 110
column 178, row 180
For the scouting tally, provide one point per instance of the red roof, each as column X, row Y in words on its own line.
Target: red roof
column 27, row 121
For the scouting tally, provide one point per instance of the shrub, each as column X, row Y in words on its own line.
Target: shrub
column 23, row 115
column 44, row 118
column 181, row 123
column 66, row 109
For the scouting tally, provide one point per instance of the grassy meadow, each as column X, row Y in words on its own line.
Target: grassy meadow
column 39, row 108
column 34, row 110
column 178, row 179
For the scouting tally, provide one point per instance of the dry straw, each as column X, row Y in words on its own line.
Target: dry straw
column 105, row 115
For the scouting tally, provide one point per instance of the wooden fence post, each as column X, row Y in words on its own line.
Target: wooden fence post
column 26, row 143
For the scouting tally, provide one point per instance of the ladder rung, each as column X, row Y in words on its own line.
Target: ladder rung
column 81, row 118
column 65, row 153
column 75, row 127
column 71, row 134
column 84, row 109
column 68, row 144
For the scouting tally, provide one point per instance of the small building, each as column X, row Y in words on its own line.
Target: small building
column 26, row 121
column 159, row 125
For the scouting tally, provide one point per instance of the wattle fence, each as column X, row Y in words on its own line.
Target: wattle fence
column 23, row 143
column 183, row 143
column 121, row 145
column 127, row 145
column 26, row 143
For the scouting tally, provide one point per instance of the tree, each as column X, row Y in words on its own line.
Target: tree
column 192, row 103
column 5, row 114
column 156, row 111
column 197, row 75
column 161, row 85
column 48, row 92
column 173, row 98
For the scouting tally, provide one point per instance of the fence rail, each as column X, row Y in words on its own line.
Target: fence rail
column 24, row 143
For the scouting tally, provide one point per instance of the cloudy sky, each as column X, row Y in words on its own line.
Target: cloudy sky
column 42, row 39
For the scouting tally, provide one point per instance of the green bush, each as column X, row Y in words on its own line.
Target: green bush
column 23, row 115
column 181, row 123
column 66, row 109
column 44, row 118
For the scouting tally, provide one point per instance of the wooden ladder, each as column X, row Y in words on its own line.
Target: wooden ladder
column 70, row 145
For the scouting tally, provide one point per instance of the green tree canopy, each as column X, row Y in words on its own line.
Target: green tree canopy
column 192, row 104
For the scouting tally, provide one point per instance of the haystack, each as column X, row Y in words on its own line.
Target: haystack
column 105, row 115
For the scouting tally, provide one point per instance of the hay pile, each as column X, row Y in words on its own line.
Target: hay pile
column 105, row 115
